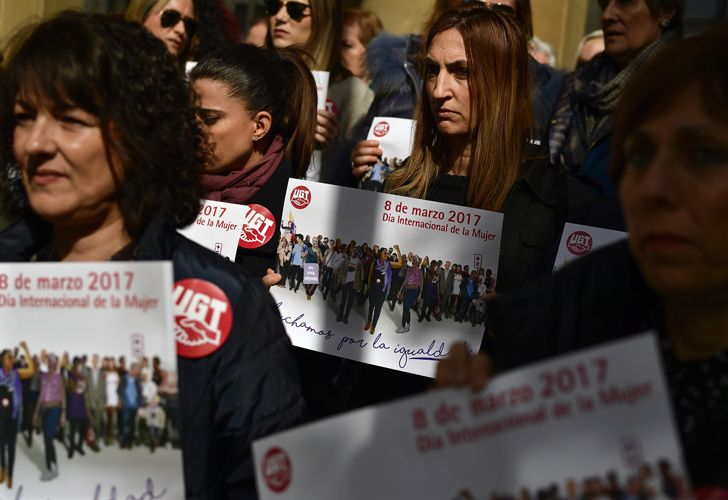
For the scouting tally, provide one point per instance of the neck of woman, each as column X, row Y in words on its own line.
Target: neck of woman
column 91, row 243
column 698, row 329
column 458, row 150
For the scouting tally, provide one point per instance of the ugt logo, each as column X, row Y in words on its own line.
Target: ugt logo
column 300, row 197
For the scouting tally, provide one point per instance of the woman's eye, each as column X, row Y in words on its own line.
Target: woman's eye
column 462, row 73
column 638, row 155
column 22, row 116
column 73, row 120
column 208, row 118
column 707, row 155
column 431, row 69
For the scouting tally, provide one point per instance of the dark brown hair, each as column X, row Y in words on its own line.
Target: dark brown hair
column 700, row 61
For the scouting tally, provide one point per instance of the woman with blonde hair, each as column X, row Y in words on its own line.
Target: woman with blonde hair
column 359, row 27
column 174, row 22
column 476, row 65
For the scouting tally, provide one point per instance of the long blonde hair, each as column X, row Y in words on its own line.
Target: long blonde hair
column 500, row 109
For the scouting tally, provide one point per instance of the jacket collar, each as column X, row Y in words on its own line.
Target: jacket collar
column 538, row 175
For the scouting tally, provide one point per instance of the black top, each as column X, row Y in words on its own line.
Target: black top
column 603, row 297
column 272, row 196
column 452, row 189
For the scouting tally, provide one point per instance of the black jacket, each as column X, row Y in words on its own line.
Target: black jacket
column 246, row 389
column 600, row 298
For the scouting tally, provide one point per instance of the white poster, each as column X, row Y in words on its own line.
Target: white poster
column 104, row 407
column 578, row 241
column 218, row 227
column 223, row 227
column 552, row 430
column 395, row 137
column 373, row 309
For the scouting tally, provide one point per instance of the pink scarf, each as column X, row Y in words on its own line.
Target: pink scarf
column 238, row 186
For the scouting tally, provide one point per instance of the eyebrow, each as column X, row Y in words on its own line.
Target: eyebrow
column 452, row 64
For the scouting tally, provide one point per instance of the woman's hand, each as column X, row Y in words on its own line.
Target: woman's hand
column 364, row 154
column 327, row 127
column 271, row 278
column 462, row 368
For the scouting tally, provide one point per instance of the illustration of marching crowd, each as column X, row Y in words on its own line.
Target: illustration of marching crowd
column 350, row 274
column 80, row 402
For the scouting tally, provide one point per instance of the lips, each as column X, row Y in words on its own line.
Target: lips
column 279, row 32
column 664, row 242
column 45, row 176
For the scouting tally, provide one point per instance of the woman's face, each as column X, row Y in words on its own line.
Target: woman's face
column 446, row 83
column 286, row 31
column 353, row 52
column 230, row 130
column 175, row 37
column 675, row 195
column 64, row 163
column 629, row 27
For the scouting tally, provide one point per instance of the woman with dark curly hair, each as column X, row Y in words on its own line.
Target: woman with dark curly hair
column 109, row 153
column 258, row 107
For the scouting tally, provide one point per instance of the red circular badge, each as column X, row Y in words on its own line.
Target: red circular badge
column 203, row 317
column 381, row 129
column 331, row 107
column 259, row 226
column 300, row 197
column 579, row 243
column 277, row 470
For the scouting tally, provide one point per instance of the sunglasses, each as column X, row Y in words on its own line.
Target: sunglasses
column 171, row 17
column 499, row 7
column 296, row 10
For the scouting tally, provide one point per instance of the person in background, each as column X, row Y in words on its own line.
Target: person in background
column 96, row 396
column 409, row 292
column 380, row 279
column 430, row 292
column 310, row 258
column 670, row 276
column 258, row 32
column 296, row 266
column 11, row 408
column 258, row 107
column 111, row 403
column 77, row 406
column 351, row 279
column 359, row 27
column 174, row 22
column 50, row 414
column 131, row 398
column 542, row 52
column 589, row 47
column 581, row 130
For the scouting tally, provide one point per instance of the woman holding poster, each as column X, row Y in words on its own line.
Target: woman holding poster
column 109, row 152
column 462, row 160
column 380, row 279
column 258, row 107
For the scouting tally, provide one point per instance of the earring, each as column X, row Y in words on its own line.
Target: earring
column 256, row 139
column 665, row 24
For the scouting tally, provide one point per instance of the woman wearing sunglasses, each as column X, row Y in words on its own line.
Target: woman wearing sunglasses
column 316, row 26
column 174, row 22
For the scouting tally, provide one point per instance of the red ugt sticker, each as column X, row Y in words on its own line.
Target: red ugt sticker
column 203, row 317
column 579, row 243
column 300, row 197
column 259, row 225
column 277, row 470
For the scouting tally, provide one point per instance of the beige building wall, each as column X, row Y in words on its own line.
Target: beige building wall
column 559, row 22
column 16, row 13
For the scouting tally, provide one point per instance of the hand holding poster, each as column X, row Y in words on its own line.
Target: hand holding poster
column 322, row 86
column 540, row 428
column 395, row 136
column 578, row 241
column 383, row 296
column 90, row 332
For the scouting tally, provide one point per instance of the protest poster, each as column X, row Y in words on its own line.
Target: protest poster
column 220, row 227
column 359, row 308
column 395, row 137
column 578, row 240
column 119, row 316
column 223, row 227
column 322, row 87
column 555, row 429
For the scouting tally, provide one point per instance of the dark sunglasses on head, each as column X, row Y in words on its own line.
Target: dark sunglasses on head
column 171, row 17
column 296, row 10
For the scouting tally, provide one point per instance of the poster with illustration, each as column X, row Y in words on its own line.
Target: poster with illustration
column 578, row 240
column 399, row 279
column 567, row 428
column 395, row 136
column 89, row 381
